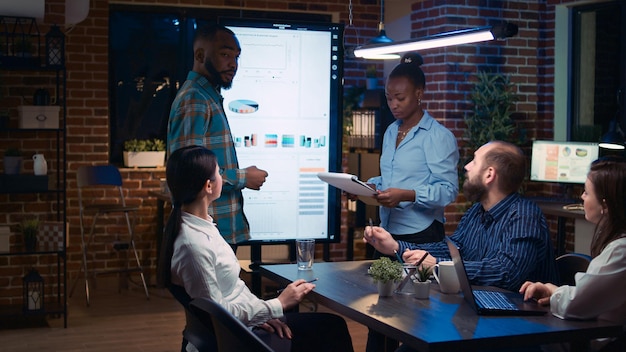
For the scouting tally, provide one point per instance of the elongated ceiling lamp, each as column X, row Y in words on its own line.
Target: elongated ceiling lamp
column 614, row 137
column 463, row 36
column 382, row 38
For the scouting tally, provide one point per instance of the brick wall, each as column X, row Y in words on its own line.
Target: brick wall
column 528, row 58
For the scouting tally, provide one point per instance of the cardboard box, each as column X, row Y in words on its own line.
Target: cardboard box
column 32, row 116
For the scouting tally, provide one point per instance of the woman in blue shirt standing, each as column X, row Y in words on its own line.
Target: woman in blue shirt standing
column 418, row 168
column 418, row 163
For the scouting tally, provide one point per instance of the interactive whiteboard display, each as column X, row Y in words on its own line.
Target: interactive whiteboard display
column 284, row 111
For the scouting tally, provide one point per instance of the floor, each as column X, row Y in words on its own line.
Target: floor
column 119, row 321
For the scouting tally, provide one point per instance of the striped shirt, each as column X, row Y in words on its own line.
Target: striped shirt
column 502, row 247
column 197, row 117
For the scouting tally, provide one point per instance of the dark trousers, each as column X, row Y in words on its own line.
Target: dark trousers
column 377, row 342
column 312, row 332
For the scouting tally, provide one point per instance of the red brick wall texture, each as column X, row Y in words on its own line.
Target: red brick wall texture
column 527, row 58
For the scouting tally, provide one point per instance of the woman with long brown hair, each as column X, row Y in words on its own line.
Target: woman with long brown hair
column 600, row 292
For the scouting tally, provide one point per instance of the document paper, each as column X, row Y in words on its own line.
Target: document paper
column 350, row 184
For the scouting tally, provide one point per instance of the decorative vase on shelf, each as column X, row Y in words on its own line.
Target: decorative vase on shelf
column 30, row 244
column 40, row 165
column 12, row 165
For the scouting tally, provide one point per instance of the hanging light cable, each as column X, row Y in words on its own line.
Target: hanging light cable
column 381, row 38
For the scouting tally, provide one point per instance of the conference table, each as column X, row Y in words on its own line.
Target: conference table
column 444, row 322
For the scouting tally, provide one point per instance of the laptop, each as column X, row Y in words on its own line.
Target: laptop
column 487, row 302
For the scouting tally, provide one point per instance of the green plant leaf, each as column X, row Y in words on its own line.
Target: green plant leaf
column 29, row 227
column 144, row 145
column 422, row 274
column 385, row 270
column 492, row 98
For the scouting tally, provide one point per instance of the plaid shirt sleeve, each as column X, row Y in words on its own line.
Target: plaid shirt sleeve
column 197, row 117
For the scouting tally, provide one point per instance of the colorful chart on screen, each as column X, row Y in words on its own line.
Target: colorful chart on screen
column 243, row 106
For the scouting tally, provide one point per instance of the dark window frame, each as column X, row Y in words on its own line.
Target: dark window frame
column 609, row 71
column 146, row 116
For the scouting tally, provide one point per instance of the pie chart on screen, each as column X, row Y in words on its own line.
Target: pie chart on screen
column 243, row 106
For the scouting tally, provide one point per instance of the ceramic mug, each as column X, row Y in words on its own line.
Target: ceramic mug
column 445, row 274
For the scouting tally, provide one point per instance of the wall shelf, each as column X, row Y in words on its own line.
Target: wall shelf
column 19, row 187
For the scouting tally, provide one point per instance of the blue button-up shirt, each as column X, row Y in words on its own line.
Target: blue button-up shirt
column 425, row 161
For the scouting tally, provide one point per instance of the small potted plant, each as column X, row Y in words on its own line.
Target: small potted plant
column 371, row 76
column 12, row 161
column 385, row 273
column 421, row 281
column 29, row 229
column 144, row 153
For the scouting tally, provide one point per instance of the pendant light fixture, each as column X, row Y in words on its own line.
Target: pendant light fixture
column 382, row 38
column 614, row 137
column 463, row 36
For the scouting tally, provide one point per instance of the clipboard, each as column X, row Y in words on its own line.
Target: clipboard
column 350, row 184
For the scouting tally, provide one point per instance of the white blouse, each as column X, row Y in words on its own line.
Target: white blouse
column 600, row 292
column 206, row 266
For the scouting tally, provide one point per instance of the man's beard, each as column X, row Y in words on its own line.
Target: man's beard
column 216, row 75
column 473, row 191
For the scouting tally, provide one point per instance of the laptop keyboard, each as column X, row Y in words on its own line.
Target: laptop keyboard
column 493, row 300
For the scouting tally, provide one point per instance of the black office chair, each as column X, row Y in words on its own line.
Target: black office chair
column 569, row 264
column 232, row 335
column 198, row 332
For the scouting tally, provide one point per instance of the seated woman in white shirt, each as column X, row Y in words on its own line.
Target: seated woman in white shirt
column 197, row 258
column 600, row 292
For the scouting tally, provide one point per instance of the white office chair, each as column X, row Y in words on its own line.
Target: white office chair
column 104, row 177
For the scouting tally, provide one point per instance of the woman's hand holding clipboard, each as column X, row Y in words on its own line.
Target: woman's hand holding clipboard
column 351, row 185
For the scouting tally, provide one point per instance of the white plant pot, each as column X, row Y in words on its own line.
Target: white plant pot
column 422, row 289
column 385, row 289
column 144, row 159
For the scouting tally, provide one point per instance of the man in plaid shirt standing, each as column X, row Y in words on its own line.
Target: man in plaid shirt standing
column 197, row 117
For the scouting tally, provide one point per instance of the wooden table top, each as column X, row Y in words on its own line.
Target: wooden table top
column 444, row 322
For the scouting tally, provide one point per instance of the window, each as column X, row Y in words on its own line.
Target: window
column 598, row 68
column 150, row 55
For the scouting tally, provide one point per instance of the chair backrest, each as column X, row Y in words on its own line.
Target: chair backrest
column 569, row 264
column 99, row 175
column 94, row 175
column 180, row 294
column 198, row 332
column 232, row 334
